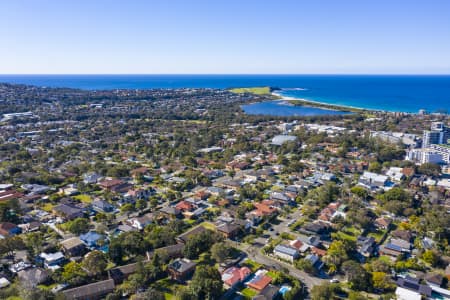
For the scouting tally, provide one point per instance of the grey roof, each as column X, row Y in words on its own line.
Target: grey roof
column 194, row 231
column 286, row 249
column 182, row 265
column 413, row 284
column 85, row 291
column 33, row 276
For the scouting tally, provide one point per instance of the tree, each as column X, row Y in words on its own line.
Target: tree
column 35, row 241
column 324, row 291
column 430, row 257
column 356, row 296
column 95, row 262
column 141, row 204
column 382, row 281
column 10, row 244
column 127, row 208
column 305, row 265
column 375, row 167
column 206, row 283
column 73, row 273
column 149, row 294
column 336, row 253
column 430, row 169
column 199, row 243
column 361, row 192
column 220, row 251
column 356, row 275
column 78, row 226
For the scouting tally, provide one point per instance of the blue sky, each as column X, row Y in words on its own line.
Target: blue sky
column 225, row 36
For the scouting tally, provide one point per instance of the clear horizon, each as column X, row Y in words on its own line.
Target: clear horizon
column 199, row 37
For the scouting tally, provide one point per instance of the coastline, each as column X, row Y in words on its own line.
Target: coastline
column 323, row 105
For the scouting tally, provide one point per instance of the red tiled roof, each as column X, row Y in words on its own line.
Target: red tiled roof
column 8, row 195
column 260, row 283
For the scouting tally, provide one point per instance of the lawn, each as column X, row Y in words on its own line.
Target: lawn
column 47, row 207
column 208, row 225
column 252, row 265
column 377, row 235
column 249, row 293
column 84, row 198
column 47, row 287
column 271, row 274
column 254, row 90
column 344, row 236
column 168, row 287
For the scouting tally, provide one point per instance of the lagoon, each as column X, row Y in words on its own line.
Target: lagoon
column 281, row 108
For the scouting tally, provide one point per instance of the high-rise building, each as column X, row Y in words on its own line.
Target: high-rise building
column 439, row 134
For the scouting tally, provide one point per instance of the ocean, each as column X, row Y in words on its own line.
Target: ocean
column 402, row 93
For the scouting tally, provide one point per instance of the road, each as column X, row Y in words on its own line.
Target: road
column 254, row 254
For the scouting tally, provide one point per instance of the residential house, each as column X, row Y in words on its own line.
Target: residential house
column 395, row 174
column 140, row 194
column 405, row 235
column 73, row 247
column 181, row 269
column 9, row 195
column 228, row 230
column 91, row 178
column 316, row 228
column 51, row 260
column 235, row 275
column 91, row 239
column 299, row 245
column 270, row 292
column 30, row 227
column 115, row 185
column 32, row 277
column 119, row 274
column 315, row 261
column 382, row 223
column 404, row 245
column 184, row 206
column 184, row 237
column 260, row 280
column 286, row 252
column 170, row 212
column 9, row 229
column 102, row 206
column 390, row 250
column 262, row 210
column 93, row 291
column 141, row 222
column 434, row 279
column 172, row 251
column 68, row 211
column 365, row 247
column 412, row 285
column 373, row 181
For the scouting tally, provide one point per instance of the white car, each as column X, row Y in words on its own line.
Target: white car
column 334, row 280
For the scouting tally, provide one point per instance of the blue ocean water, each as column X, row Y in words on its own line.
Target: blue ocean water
column 382, row 92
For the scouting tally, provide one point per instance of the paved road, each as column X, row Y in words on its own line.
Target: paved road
column 283, row 226
column 254, row 254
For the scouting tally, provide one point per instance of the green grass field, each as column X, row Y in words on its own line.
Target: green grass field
column 254, row 90
column 252, row 265
column 249, row 293
column 84, row 198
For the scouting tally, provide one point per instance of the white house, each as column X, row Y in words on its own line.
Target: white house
column 286, row 252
